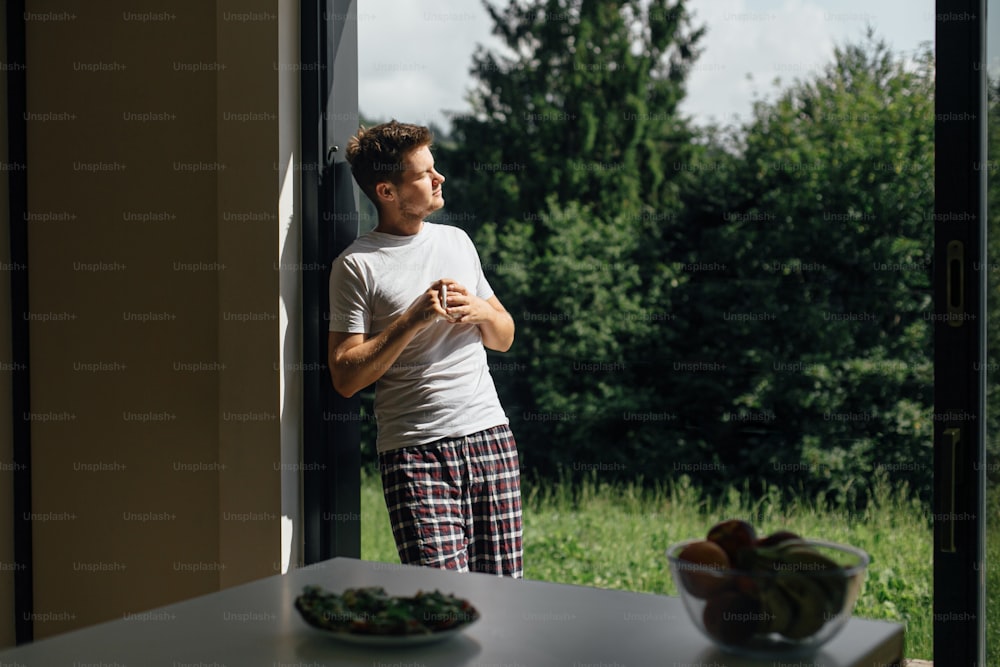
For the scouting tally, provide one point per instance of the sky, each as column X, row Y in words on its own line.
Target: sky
column 414, row 57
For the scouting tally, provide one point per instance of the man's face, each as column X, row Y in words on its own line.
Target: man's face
column 418, row 193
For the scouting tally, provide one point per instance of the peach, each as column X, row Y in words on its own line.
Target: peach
column 707, row 559
column 733, row 535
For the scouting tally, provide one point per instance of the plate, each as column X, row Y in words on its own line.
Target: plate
column 351, row 616
column 388, row 641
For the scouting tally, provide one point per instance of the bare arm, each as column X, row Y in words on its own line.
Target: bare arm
column 495, row 324
column 498, row 331
column 357, row 360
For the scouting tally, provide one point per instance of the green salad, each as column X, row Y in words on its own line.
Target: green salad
column 372, row 611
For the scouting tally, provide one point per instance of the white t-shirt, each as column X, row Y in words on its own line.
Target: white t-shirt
column 440, row 386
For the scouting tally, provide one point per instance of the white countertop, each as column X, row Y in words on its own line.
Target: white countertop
column 522, row 624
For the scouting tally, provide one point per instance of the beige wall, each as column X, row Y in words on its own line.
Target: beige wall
column 155, row 339
column 7, row 564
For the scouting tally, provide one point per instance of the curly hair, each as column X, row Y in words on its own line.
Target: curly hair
column 378, row 154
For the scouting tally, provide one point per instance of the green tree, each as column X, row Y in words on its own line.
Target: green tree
column 820, row 231
column 575, row 384
column 580, row 105
column 735, row 305
column 561, row 170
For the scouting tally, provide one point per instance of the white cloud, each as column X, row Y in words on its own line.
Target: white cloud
column 787, row 40
column 414, row 58
column 742, row 39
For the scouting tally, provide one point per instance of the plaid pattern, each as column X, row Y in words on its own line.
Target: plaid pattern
column 456, row 504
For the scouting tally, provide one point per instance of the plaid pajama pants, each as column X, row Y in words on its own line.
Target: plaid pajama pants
column 456, row 503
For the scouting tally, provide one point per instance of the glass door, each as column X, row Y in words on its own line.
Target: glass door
column 991, row 567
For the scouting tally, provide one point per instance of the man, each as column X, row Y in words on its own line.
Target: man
column 411, row 308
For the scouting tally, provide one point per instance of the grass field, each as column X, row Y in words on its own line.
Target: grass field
column 615, row 537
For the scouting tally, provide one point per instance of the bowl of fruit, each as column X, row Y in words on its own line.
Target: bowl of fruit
column 778, row 595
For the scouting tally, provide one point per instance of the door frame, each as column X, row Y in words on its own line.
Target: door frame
column 959, row 326
column 331, row 478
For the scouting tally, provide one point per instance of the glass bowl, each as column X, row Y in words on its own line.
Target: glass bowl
column 784, row 601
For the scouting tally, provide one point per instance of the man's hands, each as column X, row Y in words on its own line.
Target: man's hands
column 426, row 308
column 494, row 322
column 357, row 360
column 462, row 307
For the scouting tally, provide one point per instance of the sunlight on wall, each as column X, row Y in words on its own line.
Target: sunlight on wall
column 289, row 317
